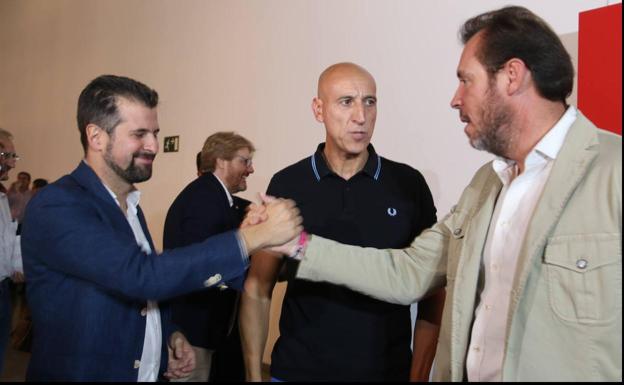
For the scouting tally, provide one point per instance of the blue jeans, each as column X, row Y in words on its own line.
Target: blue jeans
column 5, row 318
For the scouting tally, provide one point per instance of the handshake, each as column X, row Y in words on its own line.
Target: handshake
column 274, row 224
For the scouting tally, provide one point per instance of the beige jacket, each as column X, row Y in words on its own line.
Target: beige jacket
column 565, row 322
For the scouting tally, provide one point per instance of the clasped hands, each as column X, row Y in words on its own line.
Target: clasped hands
column 279, row 221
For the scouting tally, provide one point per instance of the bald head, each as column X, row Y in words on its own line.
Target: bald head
column 347, row 105
column 340, row 71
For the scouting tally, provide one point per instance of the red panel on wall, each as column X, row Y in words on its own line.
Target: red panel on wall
column 600, row 66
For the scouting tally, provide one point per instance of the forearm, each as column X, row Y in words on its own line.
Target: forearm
column 426, row 331
column 254, row 328
column 395, row 276
column 425, row 343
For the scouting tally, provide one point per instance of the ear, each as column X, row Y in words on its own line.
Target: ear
column 317, row 109
column 518, row 76
column 97, row 138
column 220, row 164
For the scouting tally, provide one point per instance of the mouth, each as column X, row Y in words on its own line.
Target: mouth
column 145, row 158
column 359, row 135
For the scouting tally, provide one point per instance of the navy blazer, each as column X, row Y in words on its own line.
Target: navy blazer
column 88, row 281
column 201, row 210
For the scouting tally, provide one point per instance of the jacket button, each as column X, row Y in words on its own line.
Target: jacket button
column 457, row 231
column 581, row 263
column 144, row 311
column 137, row 363
column 212, row 280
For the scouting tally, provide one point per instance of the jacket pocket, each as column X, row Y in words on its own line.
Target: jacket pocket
column 585, row 277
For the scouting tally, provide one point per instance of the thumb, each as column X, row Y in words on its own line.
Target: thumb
column 178, row 344
column 267, row 198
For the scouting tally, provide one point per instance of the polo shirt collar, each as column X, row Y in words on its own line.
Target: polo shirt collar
column 321, row 169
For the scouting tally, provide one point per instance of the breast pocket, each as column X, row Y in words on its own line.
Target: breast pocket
column 584, row 275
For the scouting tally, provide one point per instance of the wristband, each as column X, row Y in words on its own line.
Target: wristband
column 301, row 245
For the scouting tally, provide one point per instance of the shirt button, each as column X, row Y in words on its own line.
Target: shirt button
column 144, row 311
column 137, row 363
column 212, row 280
column 581, row 263
column 488, row 307
column 476, row 349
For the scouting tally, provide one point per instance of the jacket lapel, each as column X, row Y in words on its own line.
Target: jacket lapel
column 88, row 179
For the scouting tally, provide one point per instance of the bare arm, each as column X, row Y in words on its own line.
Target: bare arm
column 426, row 330
column 255, row 310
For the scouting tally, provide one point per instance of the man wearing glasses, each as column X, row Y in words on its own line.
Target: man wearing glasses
column 207, row 206
column 10, row 256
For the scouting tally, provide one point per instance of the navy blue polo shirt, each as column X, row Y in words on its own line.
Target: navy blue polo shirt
column 328, row 332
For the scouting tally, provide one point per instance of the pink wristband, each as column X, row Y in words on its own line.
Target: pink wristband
column 301, row 245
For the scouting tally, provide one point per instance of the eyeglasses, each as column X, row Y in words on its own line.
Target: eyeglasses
column 9, row 155
column 248, row 161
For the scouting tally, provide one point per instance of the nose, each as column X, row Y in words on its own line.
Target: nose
column 456, row 101
column 251, row 169
column 358, row 115
column 150, row 143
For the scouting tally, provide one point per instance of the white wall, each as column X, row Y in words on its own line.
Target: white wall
column 249, row 66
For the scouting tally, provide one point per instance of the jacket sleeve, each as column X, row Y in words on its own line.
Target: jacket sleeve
column 76, row 237
column 397, row 276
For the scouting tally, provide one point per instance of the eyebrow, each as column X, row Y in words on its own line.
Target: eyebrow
column 142, row 130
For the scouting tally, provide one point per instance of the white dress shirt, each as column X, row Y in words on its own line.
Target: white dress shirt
column 152, row 343
column 508, row 227
column 10, row 251
column 229, row 196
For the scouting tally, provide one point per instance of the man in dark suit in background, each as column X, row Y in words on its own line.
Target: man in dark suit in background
column 206, row 207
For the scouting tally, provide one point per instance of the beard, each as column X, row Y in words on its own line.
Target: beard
column 496, row 134
column 132, row 173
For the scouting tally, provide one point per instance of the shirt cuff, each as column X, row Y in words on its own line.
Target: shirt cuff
column 243, row 248
column 17, row 256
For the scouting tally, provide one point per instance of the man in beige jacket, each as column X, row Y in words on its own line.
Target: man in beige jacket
column 531, row 253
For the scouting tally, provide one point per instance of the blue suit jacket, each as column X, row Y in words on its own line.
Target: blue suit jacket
column 201, row 210
column 88, row 281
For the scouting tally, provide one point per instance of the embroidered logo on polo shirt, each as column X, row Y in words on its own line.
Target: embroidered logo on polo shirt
column 392, row 211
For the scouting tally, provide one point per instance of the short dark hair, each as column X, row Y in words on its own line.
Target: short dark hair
column 97, row 103
column 516, row 32
column 198, row 162
column 222, row 145
column 39, row 183
column 25, row 174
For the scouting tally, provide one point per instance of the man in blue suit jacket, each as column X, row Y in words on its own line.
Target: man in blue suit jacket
column 206, row 207
column 93, row 275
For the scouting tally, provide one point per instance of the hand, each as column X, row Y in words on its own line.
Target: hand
column 289, row 248
column 181, row 357
column 283, row 218
column 18, row 277
column 256, row 213
column 280, row 222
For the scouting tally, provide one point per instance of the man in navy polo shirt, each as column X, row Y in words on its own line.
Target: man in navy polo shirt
column 348, row 193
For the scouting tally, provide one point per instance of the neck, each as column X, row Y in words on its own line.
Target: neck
column 532, row 123
column 345, row 165
column 120, row 187
column 221, row 176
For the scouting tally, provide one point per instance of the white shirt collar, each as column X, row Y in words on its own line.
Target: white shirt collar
column 546, row 149
column 132, row 200
column 229, row 196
